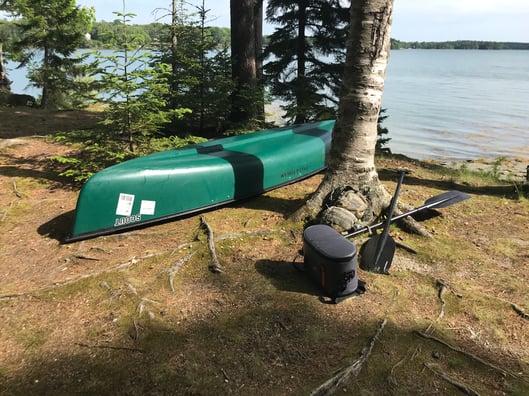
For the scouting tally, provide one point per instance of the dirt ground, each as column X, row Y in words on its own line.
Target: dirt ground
column 140, row 313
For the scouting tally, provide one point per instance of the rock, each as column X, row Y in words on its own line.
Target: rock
column 353, row 202
column 21, row 100
column 339, row 218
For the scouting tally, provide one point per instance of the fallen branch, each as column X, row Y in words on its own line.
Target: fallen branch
column 215, row 264
column 6, row 211
column 17, row 193
column 459, row 385
column 55, row 285
column 350, row 372
column 83, row 257
column 471, row 355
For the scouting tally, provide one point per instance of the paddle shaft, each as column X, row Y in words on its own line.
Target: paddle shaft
column 385, row 233
column 376, row 226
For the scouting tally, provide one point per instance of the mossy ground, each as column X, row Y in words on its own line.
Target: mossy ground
column 100, row 317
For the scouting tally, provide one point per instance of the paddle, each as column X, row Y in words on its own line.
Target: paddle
column 438, row 201
column 378, row 251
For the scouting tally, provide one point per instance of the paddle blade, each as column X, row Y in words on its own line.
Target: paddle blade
column 446, row 199
column 368, row 260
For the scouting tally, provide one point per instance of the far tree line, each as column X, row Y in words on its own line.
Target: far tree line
column 103, row 35
column 459, row 45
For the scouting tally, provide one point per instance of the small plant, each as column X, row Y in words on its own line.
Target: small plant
column 135, row 90
column 381, row 132
column 496, row 165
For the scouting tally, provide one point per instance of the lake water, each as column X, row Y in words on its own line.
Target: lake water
column 458, row 104
column 445, row 104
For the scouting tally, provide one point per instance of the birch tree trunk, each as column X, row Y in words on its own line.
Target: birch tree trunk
column 352, row 157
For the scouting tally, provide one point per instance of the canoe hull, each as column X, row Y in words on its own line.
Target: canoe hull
column 177, row 183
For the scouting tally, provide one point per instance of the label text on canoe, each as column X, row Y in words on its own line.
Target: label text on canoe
column 294, row 172
column 120, row 221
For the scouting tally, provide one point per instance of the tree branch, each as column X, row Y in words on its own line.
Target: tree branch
column 345, row 375
column 459, row 385
column 472, row 356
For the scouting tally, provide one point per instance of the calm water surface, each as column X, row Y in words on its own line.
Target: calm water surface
column 445, row 104
column 458, row 104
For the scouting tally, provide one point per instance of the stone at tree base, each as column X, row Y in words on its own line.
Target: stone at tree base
column 353, row 202
column 339, row 218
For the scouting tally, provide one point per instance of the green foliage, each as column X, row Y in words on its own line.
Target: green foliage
column 49, row 33
column 97, row 151
column 199, row 76
column 135, row 90
column 307, row 51
column 382, row 132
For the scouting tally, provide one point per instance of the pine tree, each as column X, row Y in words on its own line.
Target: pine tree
column 200, row 72
column 306, row 56
column 52, row 31
column 134, row 90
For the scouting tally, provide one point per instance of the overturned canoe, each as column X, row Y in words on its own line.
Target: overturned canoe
column 176, row 183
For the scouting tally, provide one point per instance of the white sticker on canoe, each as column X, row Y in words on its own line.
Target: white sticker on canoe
column 147, row 207
column 125, row 203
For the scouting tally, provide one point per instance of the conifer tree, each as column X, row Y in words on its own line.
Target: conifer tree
column 200, row 71
column 306, row 55
column 52, row 30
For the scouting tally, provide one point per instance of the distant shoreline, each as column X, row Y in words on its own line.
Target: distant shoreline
column 459, row 45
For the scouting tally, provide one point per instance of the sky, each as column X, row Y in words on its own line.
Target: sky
column 413, row 20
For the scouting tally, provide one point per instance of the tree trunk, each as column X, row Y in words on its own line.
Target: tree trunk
column 352, row 157
column 244, row 72
column 258, row 24
column 5, row 82
column 301, row 83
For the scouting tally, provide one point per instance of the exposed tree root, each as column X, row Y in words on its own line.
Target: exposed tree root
column 459, row 385
column 130, row 262
column 117, row 267
column 346, row 374
column 176, row 267
column 392, row 378
column 248, row 233
column 409, row 224
column 471, row 356
column 215, row 264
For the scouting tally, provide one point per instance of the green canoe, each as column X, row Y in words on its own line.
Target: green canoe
column 176, row 183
